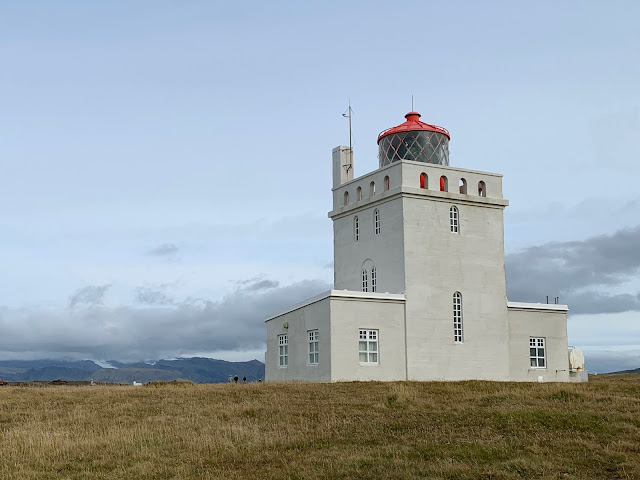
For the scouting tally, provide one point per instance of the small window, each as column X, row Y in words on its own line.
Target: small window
column 424, row 180
column 374, row 280
column 346, row 198
column 372, row 189
column 283, row 351
column 454, row 220
column 444, row 184
column 482, row 189
column 365, row 281
column 457, row 317
column 386, row 183
column 313, row 347
column 376, row 222
column 356, row 228
column 358, row 194
column 463, row 186
column 537, row 352
column 368, row 347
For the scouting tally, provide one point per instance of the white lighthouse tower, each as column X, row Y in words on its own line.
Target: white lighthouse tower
column 419, row 280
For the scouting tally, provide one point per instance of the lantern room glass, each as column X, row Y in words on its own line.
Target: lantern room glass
column 419, row 146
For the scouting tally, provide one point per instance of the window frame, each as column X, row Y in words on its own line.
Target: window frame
column 537, row 344
column 356, row 228
column 313, row 350
column 365, row 280
column 377, row 225
column 283, row 350
column 374, row 279
column 458, row 331
column 454, row 219
column 370, row 337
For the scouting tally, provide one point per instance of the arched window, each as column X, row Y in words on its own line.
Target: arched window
column 482, row 189
column 386, row 183
column 374, row 280
column 457, row 317
column 372, row 189
column 424, row 180
column 454, row 220
column 346, row 198
column 358, row 194
column 463, row 186
column 376, row 221
column 444, row 184
column 365, row 282
column 356, row 229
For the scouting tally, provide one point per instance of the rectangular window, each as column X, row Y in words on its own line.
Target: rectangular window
column 368, row 347
column 537, row 353
column 457, row 317
column 374, row 280
column 313, row 347
column 283, row 351
column 365, row 281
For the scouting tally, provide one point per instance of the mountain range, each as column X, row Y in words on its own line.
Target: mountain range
column 196, row 369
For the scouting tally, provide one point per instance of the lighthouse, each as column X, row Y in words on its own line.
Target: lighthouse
column 419, row 279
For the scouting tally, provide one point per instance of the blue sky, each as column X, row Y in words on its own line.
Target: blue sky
column 166, row 165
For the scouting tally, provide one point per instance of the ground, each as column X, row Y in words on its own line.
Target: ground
column 461, row 430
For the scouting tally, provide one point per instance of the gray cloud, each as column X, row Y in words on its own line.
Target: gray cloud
column 261, row 285
column 578, row 271
column 164, row 250
column 90, row 295
column 153, row 296
column 156, row 330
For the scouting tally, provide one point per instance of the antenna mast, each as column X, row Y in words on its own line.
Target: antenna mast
column 347, row 114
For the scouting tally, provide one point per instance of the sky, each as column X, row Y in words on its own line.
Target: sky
column 166, row 166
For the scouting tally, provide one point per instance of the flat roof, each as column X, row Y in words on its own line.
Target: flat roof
column 397, row 297
column 538, row 306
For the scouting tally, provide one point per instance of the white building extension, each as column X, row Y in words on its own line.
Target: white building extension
column 419, row 280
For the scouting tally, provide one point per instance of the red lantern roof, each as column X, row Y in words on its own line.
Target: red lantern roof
column 413, row 124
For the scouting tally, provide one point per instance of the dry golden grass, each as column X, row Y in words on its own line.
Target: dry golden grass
column 349, row 430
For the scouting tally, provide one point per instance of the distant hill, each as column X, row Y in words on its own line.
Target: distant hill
column 129, row 375
column 48, row 374
column 637, row 370
column 198, row 370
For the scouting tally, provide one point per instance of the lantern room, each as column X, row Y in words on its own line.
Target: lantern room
column 414, row 140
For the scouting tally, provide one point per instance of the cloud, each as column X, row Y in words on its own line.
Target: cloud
column 90, row 295
column 164, row 250
column 579, row 272
column 153, row 296
column 261, row 285
column 158, row 329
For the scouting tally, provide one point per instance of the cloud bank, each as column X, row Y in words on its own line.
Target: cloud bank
column 158, row 327
column 582, row 273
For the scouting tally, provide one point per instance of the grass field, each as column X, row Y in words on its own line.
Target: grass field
column 349, row 430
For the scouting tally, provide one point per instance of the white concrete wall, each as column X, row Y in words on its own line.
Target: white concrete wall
column 309, row 317
column 411, row 178
column 384, row 250
column 440, row 263
column 342, row 158
column 538, row 320
column 348, row 316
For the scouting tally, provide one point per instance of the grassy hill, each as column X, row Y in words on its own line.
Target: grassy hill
column 454, row 430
